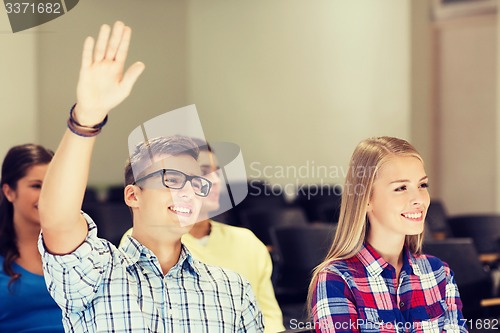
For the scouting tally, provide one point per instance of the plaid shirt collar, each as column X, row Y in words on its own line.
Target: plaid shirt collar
column 375, row 264
column 136, row 253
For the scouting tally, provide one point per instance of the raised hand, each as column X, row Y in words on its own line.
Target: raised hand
column 102, row 84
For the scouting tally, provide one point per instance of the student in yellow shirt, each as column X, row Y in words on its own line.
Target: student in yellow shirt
column 232, row 247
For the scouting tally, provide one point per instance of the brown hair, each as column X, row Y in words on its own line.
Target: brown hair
column 17, row 162
column 146, row 151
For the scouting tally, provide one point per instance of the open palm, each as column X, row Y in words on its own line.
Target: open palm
column 103, row 84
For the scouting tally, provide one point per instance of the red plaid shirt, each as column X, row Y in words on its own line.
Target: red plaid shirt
column 362, row 294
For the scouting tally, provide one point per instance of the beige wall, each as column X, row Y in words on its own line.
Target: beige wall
column 296, row 84
column 466, row 110
column 299, row 83
column 497, row 123
column 422, row 122
column 18, row 87
column 295, row 88
column 158, row 40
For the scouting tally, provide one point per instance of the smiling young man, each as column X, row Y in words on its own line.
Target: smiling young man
column 234, row 248
column 152, row 283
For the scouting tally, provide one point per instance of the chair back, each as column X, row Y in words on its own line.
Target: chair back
column 114, row 193
column 473, row 280
column 437, row 219
column 328, row 212
column 320, row 202
column 261, row 195
column 262, row 220
column 483, row 229
column 113, row 219
column 303, row 247
column 299, row 250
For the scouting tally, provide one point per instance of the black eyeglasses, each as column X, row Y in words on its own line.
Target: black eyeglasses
column 176, row 179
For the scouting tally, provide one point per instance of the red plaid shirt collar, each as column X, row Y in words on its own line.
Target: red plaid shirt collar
column 375, row 264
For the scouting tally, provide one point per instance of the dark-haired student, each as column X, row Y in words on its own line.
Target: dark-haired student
column 25, row 304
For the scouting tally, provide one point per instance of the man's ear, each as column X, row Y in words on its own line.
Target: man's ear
column 369, row 207
column 131, row 194
column 9, row 193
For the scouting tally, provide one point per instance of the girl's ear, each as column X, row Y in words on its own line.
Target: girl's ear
column 9, row 193
column 132, row 194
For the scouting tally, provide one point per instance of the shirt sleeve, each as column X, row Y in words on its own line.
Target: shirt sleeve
column 332, row 305
column 454, row 321
column 251, row 317
column 73, row 279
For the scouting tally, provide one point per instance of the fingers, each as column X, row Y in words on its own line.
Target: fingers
column 102, row 42
column 88, row 46
column 121, row 53
column 109, row 48
column 132, row 75
column 115, row 40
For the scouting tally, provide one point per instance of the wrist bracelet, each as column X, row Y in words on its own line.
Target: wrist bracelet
column 81, row 130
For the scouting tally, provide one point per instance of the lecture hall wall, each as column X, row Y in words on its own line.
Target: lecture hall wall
column 297, row 84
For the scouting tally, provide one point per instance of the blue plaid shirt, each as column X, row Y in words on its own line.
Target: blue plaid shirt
column 104, row 289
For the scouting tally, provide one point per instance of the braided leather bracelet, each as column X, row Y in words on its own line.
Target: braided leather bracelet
column 81, row 130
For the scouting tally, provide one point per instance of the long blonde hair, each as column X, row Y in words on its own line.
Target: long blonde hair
column 353, row 223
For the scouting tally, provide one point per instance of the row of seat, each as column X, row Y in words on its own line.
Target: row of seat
column 476, row 282
column 484, row 229
column 299, row 242
column 297, row 250
column 319, row 203
column 462, row 241
column 113, row 219
column 262, row 209
column 470, row 245
column 113, row 193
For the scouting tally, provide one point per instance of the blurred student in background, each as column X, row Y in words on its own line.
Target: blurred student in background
column 25, row 303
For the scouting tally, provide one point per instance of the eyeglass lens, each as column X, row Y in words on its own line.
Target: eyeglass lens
column 176, row 180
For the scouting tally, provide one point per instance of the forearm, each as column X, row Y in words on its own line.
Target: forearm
column 102, row 85
column 62, row 194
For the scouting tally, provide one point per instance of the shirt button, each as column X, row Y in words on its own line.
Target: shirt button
column 401, row 304
column 148, row 256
